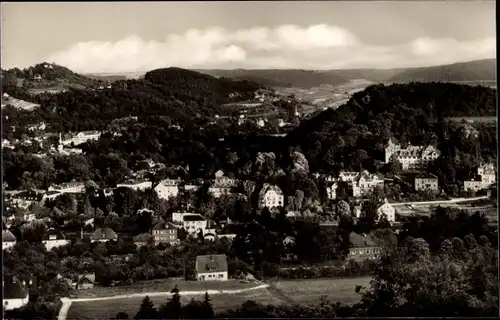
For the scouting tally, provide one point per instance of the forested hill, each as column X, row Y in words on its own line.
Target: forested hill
column 464, row 71
column 179, row 94
column 358, row 130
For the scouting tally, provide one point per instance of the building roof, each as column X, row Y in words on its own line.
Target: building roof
column 426, row 175
column 143, row 237
column 269, row 187
column 231, row 228
column 13, row 289
column 211, row 263
column 86, row 277
column 193, row 217
column 359, row 241
column 163, row 225
column 7, row 236
column 53, row 232
column 104, row 233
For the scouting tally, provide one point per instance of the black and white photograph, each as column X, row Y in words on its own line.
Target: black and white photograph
column 249, row 159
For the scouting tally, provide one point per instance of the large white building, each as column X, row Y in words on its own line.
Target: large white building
column 15, row 294
column 79, row 138
column 167, row 189
column 222, row 185
column 271, row 196
column 69, row 187
column 387, row 210
column 211, row 267
column 136, row 185
column 54, row 239
column 485, row 177
column 361, row 183
column 411, row 157
column 426, row 181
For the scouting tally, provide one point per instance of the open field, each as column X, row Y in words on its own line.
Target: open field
column 160, row 285
column 106, row 309
column 427, row 209
column 310, row 291
column 473, row 119
column 281, row 291
column 19, row 104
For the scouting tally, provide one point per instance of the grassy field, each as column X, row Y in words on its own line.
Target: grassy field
column 310, row 291
column 283, row 291
column 160, row 285
column 426, row 210
column 109, row 308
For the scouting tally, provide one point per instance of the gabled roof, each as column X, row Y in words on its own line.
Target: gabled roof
column 211, row 263
column 90, row 277
column 426, row 175
column 143, row 237
column 7, row 236
column 52, row 232
column 104, row 233
column 193, row 217
column 269, row 187
column 358, row 241
column 163, row 225
column 231, row 229
column 13, row 289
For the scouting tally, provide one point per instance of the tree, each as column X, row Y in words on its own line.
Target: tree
column 172, row 309
column 121, row 315
column 342, row 209
column 147, row 310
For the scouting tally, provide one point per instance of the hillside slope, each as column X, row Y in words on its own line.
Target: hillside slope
column 464, row 71
column 182, row 95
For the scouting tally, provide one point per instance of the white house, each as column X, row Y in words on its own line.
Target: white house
column 211, row 267
column 8, row 240
column 25, row 199
column 411, row 157
column 15, row 294
column 80, row 137
column 271, row 196
column 426, row 181
column 193, row 223
column 331, row 190
column 362, row 183
column 222, row 185
column 387, row 210
column 54, row 239
column 167, row 189
column 474, row 184
column 136, row 185
column 487, row 173
column 103, row 235
column 69, row 187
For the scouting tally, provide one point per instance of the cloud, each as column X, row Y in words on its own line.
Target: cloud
column 288, row 46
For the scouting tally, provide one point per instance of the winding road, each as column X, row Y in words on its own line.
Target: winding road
column 63, row 312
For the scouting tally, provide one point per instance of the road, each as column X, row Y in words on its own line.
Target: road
column 63, row 312
column 456, row 200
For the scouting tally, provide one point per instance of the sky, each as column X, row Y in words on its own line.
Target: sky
column 116, row 37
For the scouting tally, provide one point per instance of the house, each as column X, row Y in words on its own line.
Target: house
column 80, row 137
column 53, row 239
column 230, row 231
column 15, row 294
column 387, row 210
column 164, row 232
column 271, row 196
column 474, row 184
column 487, row 173
column 362, row 247
column 211, row 267
column 69, row 187
column 50, row 195
column 361, row 183
column 331, row 190
column 167, row 189
column 103, row 235
column 25, row 199
column 136, row 185
column 411, row 157
column 193, row 223
column 8, row 239
column 85, row 281
column 222, row 185
column 142, row 239
column 426, row 181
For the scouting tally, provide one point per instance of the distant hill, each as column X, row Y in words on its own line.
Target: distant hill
column 464, row 71
column 47, row 77
column 182, row 95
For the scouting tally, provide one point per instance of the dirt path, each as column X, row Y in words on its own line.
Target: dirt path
column 67, row 301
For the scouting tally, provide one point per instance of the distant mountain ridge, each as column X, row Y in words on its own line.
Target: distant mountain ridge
column 478, row 70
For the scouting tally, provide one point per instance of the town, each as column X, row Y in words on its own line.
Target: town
column 268, row 192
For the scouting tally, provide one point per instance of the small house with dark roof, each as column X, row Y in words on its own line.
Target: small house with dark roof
column 426, row 181
column 164, row 232
column 211, row 267
column 15, row 294
column 193, row 223
column 271, row 196
column 8, row 240
column 362, row 247
column 85, row 281
column 53, row 239
column 142, row 239
column 230, row 231
column 103, row 235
